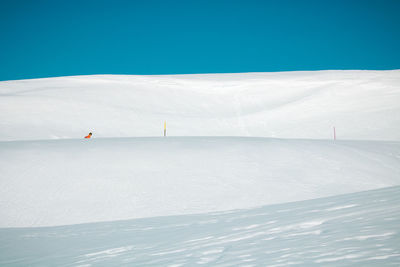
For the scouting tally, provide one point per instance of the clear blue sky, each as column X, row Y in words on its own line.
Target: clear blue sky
column 58, row 38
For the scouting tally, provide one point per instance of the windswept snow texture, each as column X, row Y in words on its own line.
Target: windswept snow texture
column 360, row 104
column 59, row 182
column 360, row 229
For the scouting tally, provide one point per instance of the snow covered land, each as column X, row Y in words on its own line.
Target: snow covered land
column 359, row 229
column 360, row 104
column 249, row 174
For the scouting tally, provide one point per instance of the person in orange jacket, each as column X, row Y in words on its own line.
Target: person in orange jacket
column 89, row 135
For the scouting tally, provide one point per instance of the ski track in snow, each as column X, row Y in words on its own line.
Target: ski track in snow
column 359, row 229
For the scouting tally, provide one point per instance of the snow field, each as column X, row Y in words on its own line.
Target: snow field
column 360, row 104
column 359, row 229
column 235, row 142
column 60, row 182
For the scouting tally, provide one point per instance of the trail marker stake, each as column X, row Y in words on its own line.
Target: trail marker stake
column 334, row 133
column 165, row 128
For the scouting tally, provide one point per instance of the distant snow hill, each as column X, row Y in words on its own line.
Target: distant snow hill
column 360, row 104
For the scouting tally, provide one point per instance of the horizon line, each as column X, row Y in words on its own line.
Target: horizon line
column 195, row 73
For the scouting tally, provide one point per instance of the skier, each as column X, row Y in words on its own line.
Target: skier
column 89, row 135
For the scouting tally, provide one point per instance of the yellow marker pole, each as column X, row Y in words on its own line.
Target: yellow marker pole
column 165, row 128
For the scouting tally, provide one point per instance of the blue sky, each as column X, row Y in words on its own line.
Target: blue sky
column 59, row 38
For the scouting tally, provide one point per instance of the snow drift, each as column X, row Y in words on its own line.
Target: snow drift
column 359, row 229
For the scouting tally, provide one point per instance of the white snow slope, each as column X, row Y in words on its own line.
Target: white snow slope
column 231, row 155
column 360, row 229
column 360, row 104
column 60, row 182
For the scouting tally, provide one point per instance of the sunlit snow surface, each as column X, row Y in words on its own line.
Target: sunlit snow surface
column 359, row 229
column 213, row 192
column 47, row 183
column 360, row 104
